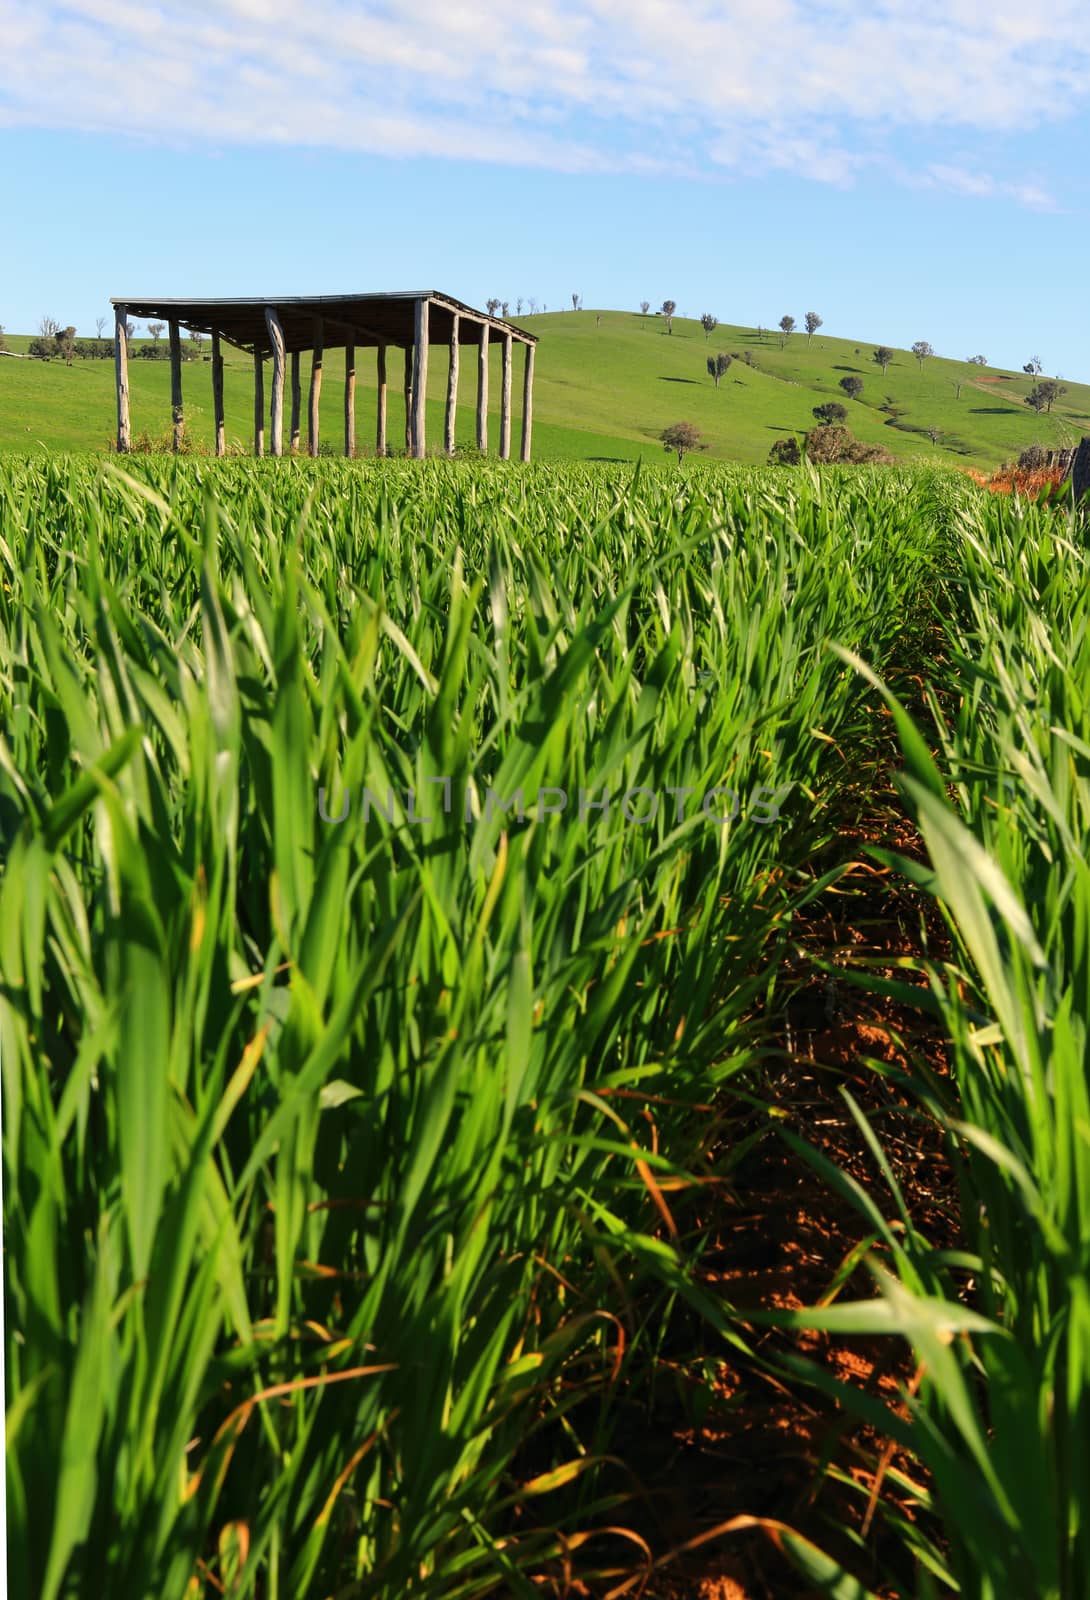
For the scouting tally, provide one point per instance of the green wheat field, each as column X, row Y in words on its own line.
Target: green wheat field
column 356, row 1172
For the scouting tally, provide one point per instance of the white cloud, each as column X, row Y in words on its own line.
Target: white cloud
column 807, row 86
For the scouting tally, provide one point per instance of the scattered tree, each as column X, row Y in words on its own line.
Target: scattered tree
column 922, row 350
column 825, row 446
column 576, row 303
column 492, row 306
column 760, row 332
column 505, row 306
column 518, row 306
column 668, row 308
column 645, row 306
column 787, row 328
column 156, row 330
column 883, row 355
column 813, row 323
column 1042, row 396
column 785, row 453
column 709, row 324
column 852, row 387
column 682, row 437
column 977, row 361
column 717, row 366
column 66, row 344
column 1034, row 367
column 100, row 323
column 957, row 382
column 831, row 412
column 934, row 434
column 533, row 306
column 597, row 319
column 48, row 328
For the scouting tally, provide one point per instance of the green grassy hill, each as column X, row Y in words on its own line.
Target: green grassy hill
column 600, row 392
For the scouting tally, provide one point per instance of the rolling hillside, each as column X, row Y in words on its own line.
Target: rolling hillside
column 601, row 392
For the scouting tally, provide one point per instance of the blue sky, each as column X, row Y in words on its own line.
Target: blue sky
column 909, row 170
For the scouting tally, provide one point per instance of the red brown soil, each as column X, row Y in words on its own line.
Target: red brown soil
column 776, row 1238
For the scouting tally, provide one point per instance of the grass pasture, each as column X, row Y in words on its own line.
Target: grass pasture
column 357, row 1173
column 600, row 393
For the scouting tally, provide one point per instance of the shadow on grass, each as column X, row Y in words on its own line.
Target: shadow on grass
column 995, row 411
column 677, row 380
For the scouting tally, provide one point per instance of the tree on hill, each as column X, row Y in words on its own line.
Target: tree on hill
column 48, row 328
column 505, row 306
column 824, row 446
column 934, row 434
column 518, row 307
column 852, row 387
column 831, row 412
column 785, row 453
column 100, row 324
column 66, row 343
column 682, row 437
column 717, row 366
column 492, row 306
column 709, row 324
column 883, row 355
column 645, row 306
column 576, row 303
column 977, row 361
column 1042, row 396
column 922, row 350
column 813, row 323
column 156, row 330
column 957, row 382
column 787, row 328
column 1034, row 367
column 668, row 308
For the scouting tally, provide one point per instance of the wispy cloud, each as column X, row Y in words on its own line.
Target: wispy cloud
column 750, row 85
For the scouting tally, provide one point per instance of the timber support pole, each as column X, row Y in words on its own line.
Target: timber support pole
column 217, row 394
column 505, row 401
column 452, row 387
column 380, row 417
column 296, row 401
column 482, row 391
column 177, row 417
column 259, row 403
column 276, row 341
column 420, row 378
column 316, row 384
column 527, row 402
column 349, row 400
column 408, row 399
column 121, row 373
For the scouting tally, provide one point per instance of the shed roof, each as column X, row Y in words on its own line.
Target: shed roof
column 360, row 319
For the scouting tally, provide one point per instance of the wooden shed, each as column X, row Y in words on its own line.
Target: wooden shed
column 274, row 329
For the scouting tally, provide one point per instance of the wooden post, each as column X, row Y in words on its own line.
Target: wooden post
column 259, row 403
column 296, row 401
column 316, row 383
column 527, row 402
column 121, row 373
column 505, row 401
column 177, row 419
column 482, row 391
column 276, row 340
column 380, row 423
column 217, row 394
column 420, row 379
column 452, row 387
column 350, row 400
column 408, row 399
